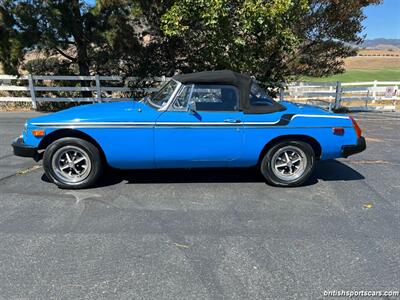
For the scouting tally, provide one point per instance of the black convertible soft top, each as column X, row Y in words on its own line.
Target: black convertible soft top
column 241, row 81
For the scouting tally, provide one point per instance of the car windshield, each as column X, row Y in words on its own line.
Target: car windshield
column 160, row 99
column 259, row 97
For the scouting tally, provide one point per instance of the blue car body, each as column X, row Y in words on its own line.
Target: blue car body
column 133, row 135
column 206, row 119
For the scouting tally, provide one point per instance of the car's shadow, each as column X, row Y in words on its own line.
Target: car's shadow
column 330, row 170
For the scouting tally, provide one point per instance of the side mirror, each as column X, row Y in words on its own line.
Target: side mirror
column 192, row 107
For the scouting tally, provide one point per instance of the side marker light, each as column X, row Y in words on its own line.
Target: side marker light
column 38, row 132
column 338, row 130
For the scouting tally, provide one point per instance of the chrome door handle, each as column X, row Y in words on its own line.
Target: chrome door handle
column 232, row 121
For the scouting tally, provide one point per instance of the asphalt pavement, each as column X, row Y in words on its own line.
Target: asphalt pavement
column 203, row 234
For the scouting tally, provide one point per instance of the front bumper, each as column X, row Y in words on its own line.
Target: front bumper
column 21, row 149
column 348, row 150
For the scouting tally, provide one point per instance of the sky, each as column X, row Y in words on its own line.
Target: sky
column 383, row 21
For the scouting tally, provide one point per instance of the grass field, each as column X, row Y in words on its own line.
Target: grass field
column 361, row 75
column 369, row 65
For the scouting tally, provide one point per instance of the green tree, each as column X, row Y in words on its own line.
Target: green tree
column 274, row 40
column 111, row 37
column 329, row 31
column 86, row 39
column 51, row 27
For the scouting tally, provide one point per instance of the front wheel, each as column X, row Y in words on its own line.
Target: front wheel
column 72, row 163
column 288, row 163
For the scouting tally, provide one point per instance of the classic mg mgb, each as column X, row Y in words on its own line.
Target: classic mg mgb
column 199, row 120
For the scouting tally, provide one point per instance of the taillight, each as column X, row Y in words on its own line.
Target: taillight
column 356, row 127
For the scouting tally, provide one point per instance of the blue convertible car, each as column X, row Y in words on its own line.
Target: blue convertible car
column 206, row 119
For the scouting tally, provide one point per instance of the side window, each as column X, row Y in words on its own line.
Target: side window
column 258, row 96
column 207, row 97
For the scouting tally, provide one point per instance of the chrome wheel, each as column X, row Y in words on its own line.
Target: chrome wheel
column 289, row 163
column 72, row 164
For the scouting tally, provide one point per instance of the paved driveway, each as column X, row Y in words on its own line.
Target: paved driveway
column 221, row 234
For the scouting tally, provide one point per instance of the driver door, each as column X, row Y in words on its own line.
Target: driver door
column 209, row 134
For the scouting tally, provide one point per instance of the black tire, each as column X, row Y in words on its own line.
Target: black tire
column 65, row 147
column 292, row 174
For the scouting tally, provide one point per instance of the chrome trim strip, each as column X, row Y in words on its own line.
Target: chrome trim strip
column 320, row 116
column 260, row 123
column 185, row 124
column 91, row 123
column 253, row 127
column 295, row 127
column 96, row 124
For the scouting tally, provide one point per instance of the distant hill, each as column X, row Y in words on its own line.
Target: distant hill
column 381, row 43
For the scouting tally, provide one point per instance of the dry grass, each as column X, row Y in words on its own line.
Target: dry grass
column 15, row 106
column 370, row 59
column 368, row 65
column 372, row 62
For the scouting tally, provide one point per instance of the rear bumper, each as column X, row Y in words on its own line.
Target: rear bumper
column 348, row 150
column 21, row 149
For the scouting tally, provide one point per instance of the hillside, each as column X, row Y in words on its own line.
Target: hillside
column 381, row 43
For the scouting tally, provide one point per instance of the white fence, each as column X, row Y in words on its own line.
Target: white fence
column 375, row 95
column 33, row 85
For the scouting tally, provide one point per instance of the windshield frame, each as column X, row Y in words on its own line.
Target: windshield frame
column 170, row 99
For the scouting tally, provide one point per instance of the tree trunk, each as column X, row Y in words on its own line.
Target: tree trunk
column 81, row 45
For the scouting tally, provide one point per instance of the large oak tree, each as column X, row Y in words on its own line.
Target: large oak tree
column 275, row 40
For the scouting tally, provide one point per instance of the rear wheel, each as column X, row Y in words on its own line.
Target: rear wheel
column 288, row 163
column 72, row 163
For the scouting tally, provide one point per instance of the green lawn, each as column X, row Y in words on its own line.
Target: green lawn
column 360, row 75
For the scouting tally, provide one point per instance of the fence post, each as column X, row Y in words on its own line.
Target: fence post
column 98, row 88
column 374, row 91
column 32, row 90
column 338, row 95
column 281, row 93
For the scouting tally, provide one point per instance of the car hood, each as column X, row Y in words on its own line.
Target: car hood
column 126, row 111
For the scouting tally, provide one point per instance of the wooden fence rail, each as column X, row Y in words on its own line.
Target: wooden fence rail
column 352, row 95
column 36, row 88
column 32, row 84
